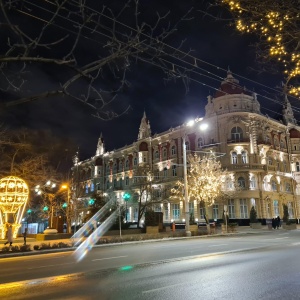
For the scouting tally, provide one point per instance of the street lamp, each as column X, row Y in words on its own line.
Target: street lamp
column 68, row 211
column 202, row 127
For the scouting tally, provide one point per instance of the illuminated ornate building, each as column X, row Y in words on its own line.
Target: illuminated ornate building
column 261, row 152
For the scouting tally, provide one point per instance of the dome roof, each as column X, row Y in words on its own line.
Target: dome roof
column 294, row 133
column 231, row 86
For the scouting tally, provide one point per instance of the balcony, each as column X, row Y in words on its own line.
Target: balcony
column 239, row 141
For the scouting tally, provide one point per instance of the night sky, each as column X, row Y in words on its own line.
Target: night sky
column 166, row 104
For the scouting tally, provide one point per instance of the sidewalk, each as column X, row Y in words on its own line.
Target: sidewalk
column 32, row 241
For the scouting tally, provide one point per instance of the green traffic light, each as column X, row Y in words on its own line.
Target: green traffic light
column 64, row 205
column 126, row 196
column 45, row 208
column 29, row 211
column 91, row 202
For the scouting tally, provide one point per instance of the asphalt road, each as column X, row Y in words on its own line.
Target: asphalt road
column 264, row 266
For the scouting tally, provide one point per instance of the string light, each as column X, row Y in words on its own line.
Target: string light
column 273, row 25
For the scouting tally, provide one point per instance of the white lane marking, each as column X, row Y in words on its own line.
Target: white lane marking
column 295, row 244
column 218, row 245
column 39, row 267
column 108, row 258
column 286, row 237
column 163, row 288
column 284, row 233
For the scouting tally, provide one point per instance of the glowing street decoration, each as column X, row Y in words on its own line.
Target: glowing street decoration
column 79, row 235
column 88, row 244
column 13, row 198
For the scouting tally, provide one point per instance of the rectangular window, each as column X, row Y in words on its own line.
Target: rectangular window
column 176, row 211
column 231, row 210
column 243, row 209
column 288, row 187
column 215, row 211
column 290, row 210
column 276, row 208
column 135, row 215
column 191, row 208
column 202, row 212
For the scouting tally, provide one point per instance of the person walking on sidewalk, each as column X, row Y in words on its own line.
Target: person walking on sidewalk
column 25, row 235
column 9, row 236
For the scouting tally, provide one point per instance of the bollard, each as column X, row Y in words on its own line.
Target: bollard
column 173, row 226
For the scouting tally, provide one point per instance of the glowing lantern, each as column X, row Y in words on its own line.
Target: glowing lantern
column 13, row 195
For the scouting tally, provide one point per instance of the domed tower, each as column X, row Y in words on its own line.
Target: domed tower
column 287, row 112
column 100, row 146
column 231, row 97
column 145, row 130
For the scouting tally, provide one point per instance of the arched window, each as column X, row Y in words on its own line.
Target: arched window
column 173, row 150
column 244, row 157
column 165, row 153
column 241, row 182
column 187, row 145
column 270, row 161
column 274, row 185
column 234, row 158
column 165, row 172
column 200, row 143
column 126, row 180
column 115, row 167
column 135, row 161
column 267, row 139
column 127, row 163
column 237, row 134
column 174, row 171
column 252, row 183
column 282, row 144
column 156, row 154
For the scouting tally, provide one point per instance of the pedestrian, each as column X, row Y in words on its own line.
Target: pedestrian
column 278, row 222
column 9, row 235
column 274, row 223
column 25, row 235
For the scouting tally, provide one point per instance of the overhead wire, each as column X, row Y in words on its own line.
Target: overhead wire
column 194, row 65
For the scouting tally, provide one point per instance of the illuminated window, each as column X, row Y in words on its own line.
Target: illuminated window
column 252, row 182
column 173, row 150
column 200, row 143
column 231, row 209
column 243, row 209
column 176, row 211
column 215, row 211
column 274, row 185
column 276, row 207
column 290, row 210
column 241, row 182
column 237, row 134
column 244, row 157
column 234, row 158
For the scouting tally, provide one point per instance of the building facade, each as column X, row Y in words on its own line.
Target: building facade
column 262, row 153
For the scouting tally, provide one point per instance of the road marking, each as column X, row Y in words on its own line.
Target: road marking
column 39, row 267
column 108, row 258
column 218, row 245
column 163, row 288
column 286, row 237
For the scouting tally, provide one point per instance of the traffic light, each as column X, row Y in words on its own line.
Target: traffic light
column 91, row 201
column 29, row 211
column 45, row 208
column 65, row 205
column 126, row 196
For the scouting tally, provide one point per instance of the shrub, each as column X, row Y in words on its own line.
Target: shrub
column 44, row 246
column 36, row 247
column 285, row 213
column 25, row 248
column 63, row 245
column 54, row 246
column 253, row 215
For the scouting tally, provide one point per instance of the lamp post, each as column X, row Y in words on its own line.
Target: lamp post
column 68, row 212
column 202, row 127
column 186, row 199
